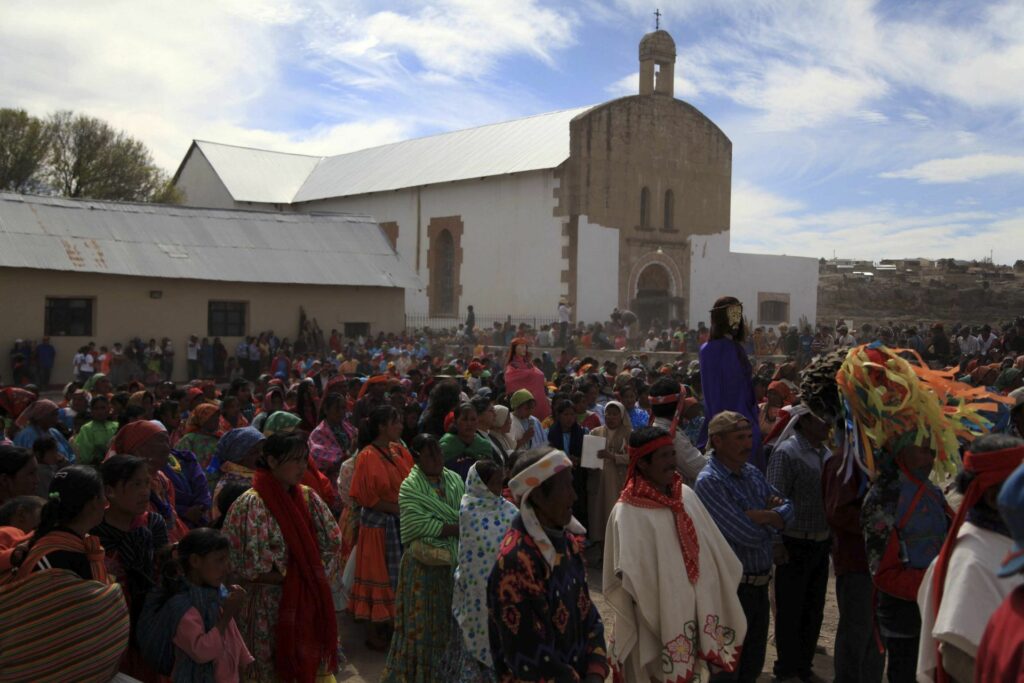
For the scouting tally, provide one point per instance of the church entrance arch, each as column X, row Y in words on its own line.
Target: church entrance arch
column 654, row 296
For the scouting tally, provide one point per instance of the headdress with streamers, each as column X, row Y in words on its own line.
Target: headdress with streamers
column 890, row 400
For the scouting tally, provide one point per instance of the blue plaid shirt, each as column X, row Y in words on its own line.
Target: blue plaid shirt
column 727, row 497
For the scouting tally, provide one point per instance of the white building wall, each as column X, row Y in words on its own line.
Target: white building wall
column 597, row 271
column 510, row 241
column 717, row 272
column 201, row 185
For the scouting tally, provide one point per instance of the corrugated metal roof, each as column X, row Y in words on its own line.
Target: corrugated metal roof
column 154, row 240
column 529, row 144
column 257, row 175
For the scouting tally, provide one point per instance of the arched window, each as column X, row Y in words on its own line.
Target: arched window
column 670, row 208
column 444, row 282
column 645, row 209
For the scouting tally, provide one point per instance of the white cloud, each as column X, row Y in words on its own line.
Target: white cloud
column 961, row 169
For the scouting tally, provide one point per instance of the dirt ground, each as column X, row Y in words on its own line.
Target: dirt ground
column 365, row 666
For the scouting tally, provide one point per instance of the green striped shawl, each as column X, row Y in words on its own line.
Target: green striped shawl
column 424, row 512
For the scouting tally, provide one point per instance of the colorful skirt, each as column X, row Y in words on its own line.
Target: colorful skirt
column 422, row 624
column 378, row 553
column 460, row 666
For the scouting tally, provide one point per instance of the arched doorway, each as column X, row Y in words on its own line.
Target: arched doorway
column 653, row 296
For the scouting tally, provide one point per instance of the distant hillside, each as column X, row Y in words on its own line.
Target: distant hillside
column 919, row 290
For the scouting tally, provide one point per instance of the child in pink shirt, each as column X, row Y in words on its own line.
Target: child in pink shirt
column 206, row 638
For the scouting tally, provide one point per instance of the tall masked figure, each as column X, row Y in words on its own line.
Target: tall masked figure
column 726, row 375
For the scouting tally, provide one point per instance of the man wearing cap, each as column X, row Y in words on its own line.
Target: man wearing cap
column 1001, row 651
column 960, row 590
column 750, row 514
column 802, row 577
column 659, row 589
column 668, row 400
column 527, row 431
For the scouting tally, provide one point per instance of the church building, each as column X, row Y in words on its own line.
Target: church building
column 624, row 204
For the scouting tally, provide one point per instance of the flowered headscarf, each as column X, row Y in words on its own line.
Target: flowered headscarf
column 199, row 417
column 523, row 484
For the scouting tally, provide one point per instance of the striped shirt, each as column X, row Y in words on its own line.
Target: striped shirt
column 727, row 497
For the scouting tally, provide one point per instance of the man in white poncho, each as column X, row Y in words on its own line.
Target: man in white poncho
column 677, row 614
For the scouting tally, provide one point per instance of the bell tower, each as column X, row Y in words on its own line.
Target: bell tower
column 657, row 64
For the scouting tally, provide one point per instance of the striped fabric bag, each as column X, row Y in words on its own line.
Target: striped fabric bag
column 58, row 627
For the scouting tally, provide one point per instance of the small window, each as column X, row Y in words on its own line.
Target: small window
column 226, row 319
column 645, row 208
column 68, row 317
column 670, row 208
column 773, row 312
column 353, row 330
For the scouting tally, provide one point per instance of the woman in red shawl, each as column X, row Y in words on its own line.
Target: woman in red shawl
column 521, row 373
column 149, row 440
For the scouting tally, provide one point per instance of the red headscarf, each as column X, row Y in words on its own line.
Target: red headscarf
column 14, row 400
column 990, row 468
column 133, row 435
column 307, row 629
column 784, row 390
column 376, row 379
column 512, row 350
column 639, row 492
column 36, row 410
column 199, row 417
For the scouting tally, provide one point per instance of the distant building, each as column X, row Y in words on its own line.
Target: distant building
column 82, row 271
column 624, row 204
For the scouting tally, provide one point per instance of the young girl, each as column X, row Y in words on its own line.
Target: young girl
column 130, row 536
column 566, row 435
column 49, row 460
column 62, row 541
column 199, row 613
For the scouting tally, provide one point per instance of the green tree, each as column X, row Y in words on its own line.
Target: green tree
column 24, row 145
column 90, row 159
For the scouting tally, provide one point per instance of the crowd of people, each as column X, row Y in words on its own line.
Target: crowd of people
column 452, row 501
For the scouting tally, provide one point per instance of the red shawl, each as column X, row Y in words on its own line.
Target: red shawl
column 990, row 468
column 640, row 493
column 304, row 640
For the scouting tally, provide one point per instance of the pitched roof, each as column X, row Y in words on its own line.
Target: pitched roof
column 528, row 144
column 154, row 240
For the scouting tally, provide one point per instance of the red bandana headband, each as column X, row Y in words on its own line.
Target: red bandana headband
column 990, row 468
column 640, row 451
column 670, row 398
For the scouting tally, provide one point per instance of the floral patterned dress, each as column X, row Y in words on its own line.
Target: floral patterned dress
column 258, row 547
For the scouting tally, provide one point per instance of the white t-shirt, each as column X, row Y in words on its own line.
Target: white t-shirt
column 83, row 362
column 564, row 313
column 192, row 351
column 971, row 594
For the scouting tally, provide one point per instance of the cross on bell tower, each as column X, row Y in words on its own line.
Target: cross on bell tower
column 657, row 62
column 657, row 19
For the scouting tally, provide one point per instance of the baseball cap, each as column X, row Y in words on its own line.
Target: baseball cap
column 727, row 421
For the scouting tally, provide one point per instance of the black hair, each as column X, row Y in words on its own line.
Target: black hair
column 378, row 419
column 120, row 468
column 645, row 435
column 459, row 411
column 71, row 489
column 561, row 406
column 527, row 459
column 174, row 559
column 237, row 384
column 121, row 398
column 664, row 386
column 422, row 442
column 486, row 469
column 130, row 414
column 168, row 407
column 226, row 498
column 14, row 507
column 986, row 444
column 13, row 459
column 444, row 397
column 329, row 401
column 720, row 320
column 97, row 399
column 481, row 403
column 43, row 445
column 283, row 447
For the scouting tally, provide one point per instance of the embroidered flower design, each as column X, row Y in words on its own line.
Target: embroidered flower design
column 680, row 649
column 510, row 616
column 723, row 635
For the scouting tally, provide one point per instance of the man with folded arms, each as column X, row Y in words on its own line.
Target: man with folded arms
column 750, row 514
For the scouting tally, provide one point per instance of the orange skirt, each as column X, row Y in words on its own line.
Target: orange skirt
column 372, row 598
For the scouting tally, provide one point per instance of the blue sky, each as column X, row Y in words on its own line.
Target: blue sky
column 871, row 129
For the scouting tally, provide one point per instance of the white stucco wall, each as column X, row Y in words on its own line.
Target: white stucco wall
column 597, row 271
column 511, row 240
column 716, row 272
column 201, row 184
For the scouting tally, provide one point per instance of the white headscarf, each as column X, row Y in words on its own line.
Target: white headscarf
column 523, row 484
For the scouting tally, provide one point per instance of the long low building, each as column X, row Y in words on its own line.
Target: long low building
column 80, row 271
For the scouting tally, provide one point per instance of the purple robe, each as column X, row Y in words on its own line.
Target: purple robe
column 727, row 381
column 190, row 486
